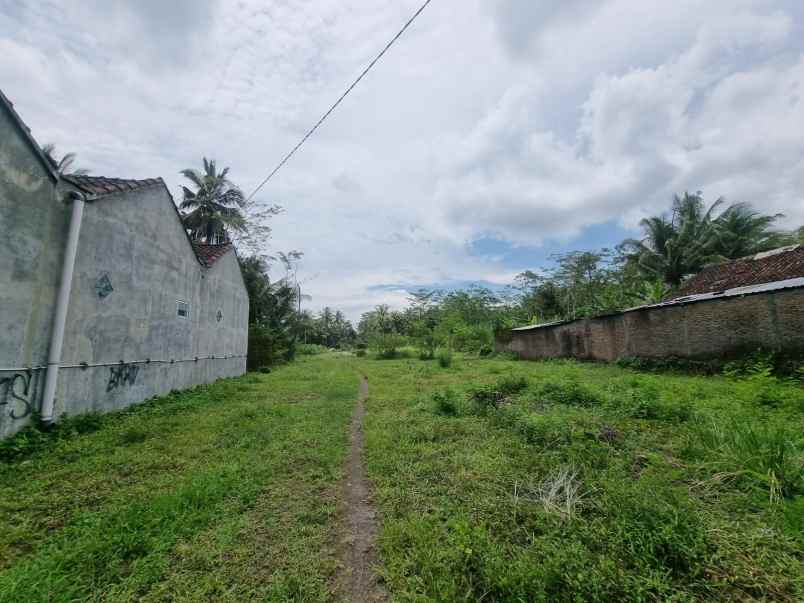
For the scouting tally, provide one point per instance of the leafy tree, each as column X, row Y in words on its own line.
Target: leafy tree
column 214, row 206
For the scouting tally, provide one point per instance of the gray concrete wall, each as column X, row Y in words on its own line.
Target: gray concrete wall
column 33, row 227
column 136, row 239
column 708, row 329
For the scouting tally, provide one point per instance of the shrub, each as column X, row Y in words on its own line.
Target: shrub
column 446, row 403
column 445, row 358
column 387, row 345
column 489, row 397
column 133, row 435
column 310, row 349
column 570, row 393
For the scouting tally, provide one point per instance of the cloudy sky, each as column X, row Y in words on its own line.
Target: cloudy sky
column 495, row 133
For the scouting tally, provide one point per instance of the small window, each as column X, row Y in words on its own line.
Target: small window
column 182, row 309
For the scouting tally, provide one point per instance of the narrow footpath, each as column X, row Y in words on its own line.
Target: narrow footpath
column 358, row 581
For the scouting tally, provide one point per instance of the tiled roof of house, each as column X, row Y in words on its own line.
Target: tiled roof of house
column 209, row 254
column 99, row 186
column 777, row 265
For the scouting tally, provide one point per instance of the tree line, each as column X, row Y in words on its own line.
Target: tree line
column 673, row 246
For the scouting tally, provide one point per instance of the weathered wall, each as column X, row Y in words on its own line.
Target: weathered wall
column 137, row 240
column 33, row 228
column 705, row 329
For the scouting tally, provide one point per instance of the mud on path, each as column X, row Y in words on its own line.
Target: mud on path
column 358, row 581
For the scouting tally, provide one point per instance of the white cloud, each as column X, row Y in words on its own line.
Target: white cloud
column 521, row 119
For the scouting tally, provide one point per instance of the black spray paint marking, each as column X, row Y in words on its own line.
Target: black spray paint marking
column 18, row 391
column 122, row 374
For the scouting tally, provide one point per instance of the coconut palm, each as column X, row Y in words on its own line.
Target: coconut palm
column 65, row 164
column 214, row 206
column 740, row 231
column 676, row 246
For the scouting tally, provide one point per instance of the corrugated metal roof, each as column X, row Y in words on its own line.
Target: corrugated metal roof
column 791, row 283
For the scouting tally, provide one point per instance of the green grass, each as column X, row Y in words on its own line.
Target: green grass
column 495, row 480
column 561, row 481
column 225, row 492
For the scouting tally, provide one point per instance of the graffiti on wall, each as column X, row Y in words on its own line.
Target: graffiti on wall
column 17, row 393
column 122, row 374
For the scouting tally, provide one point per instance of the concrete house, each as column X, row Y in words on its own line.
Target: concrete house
column 104, row 299
column 725, row 310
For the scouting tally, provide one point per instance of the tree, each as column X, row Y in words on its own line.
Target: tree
column 740, row 231
column 679, row 245
column 65, row 164
column 214, row 206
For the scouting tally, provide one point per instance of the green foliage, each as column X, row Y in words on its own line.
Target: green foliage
column 386, row 345
column 490, row 397
column 570, row 393
column 754, row 454
column 444, row 357
column 447, row 403
column 310, row 349
column 214, row 206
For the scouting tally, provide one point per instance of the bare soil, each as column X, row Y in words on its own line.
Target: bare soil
column 359, row 581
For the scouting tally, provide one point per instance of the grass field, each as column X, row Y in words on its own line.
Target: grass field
column 495, row 480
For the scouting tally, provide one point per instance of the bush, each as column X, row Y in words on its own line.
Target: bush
column 445, row 358
column 310, row 349
column 490, row 397
column 447, row 403
column 387, row 345
column 569, row 393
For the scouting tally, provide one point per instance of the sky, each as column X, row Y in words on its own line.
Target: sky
column 495, row 133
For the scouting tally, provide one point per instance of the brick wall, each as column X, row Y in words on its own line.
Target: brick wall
column 705, row 329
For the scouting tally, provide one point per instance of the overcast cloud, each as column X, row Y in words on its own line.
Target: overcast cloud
column 505, row 124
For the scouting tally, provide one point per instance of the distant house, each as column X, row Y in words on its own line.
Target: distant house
column 726, row 309
column 146, row 310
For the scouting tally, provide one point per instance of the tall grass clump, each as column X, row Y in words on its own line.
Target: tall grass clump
column 447, row 403
column 569, row 393
column 761, row 456
column 490, row 397
column 444, row 358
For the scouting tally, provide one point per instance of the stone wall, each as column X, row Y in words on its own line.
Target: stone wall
column 705, row 329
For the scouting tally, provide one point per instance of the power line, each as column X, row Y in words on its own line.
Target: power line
column 338, row 102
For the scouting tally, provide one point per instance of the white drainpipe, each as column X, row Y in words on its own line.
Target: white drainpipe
column 62, row 305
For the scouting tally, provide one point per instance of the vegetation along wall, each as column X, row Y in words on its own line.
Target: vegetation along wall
column 699, row 330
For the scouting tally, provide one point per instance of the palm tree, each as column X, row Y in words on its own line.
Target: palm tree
column 214, row 206
column 740, row 231
column 679, row 245
column 63, row 165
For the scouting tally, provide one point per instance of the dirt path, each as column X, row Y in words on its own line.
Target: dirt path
column 358, row 581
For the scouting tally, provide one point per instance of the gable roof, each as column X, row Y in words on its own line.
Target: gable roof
column 776, row 265
column 209, row 254
column 26, row 134
column 98, row 186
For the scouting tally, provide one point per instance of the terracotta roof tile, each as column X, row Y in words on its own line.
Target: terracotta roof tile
column 99, row 186
column 209, row 254
column 777, row 265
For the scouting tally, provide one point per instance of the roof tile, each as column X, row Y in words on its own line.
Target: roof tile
column 209, row 254
column 776, row 265
column 99, row 186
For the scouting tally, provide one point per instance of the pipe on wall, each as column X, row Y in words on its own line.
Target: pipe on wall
column 62, row 305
